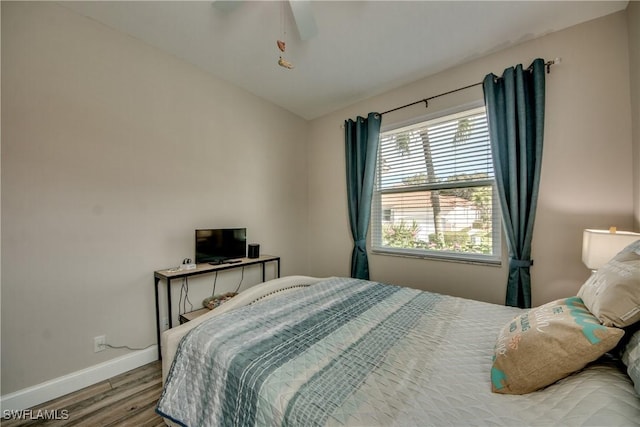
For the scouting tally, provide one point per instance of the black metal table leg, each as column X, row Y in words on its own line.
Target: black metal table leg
column 158, row 326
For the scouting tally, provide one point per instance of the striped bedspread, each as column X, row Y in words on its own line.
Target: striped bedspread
column 298, row 360
column 353, row 352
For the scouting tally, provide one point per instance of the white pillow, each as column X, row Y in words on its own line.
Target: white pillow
column 612, row 293
column 631, row 358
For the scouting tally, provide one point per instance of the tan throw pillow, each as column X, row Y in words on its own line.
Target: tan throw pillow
column 548, row 343
column 612, row 293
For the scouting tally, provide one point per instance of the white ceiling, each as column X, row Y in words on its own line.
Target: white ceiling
column 362, row 49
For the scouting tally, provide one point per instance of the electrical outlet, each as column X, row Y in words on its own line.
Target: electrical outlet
column 165, row 322
column 99, row 343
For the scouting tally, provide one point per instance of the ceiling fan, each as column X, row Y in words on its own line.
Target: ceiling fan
column 301, row 10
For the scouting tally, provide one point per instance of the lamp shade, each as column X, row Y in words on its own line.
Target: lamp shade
column 599, row 246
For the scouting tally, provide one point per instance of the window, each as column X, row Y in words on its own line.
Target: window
column 435, row 190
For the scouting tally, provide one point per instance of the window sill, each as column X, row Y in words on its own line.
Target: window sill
column 476, row 259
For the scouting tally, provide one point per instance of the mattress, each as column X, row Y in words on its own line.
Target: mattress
column 353, row 352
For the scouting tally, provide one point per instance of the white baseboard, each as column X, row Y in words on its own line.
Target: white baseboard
column 52, row 389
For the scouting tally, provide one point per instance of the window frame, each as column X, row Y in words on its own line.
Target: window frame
column 377, row 210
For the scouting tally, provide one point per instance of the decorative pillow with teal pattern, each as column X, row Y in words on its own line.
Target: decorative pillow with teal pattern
column 548, row 343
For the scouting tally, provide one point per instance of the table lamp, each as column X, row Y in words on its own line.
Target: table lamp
column 599, row 246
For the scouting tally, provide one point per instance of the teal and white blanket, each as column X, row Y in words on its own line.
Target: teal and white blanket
column 353, row 352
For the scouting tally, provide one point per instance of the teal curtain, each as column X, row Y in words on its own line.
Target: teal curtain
column 515, row 112
column 362, row 138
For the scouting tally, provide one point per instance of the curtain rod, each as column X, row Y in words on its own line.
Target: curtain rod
column 547, row 64
column 426, row 100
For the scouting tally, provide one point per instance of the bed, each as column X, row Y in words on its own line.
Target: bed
column 302, row 351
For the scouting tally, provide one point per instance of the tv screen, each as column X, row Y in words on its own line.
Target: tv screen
column 217, row 245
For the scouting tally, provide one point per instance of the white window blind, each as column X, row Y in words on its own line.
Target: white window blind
column 434, row 193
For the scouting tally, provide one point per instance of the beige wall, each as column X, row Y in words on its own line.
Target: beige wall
column 586, row 172
column 633, row 25
column 112, row 154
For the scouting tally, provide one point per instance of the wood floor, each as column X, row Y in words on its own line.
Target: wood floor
column 128, row 399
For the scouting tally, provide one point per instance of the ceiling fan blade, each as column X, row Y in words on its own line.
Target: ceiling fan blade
column 305, row 21
column 226, row 5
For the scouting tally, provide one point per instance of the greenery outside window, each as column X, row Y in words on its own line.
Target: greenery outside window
column 435, row 190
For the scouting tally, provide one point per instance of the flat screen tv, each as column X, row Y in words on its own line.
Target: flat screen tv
column 218, row 245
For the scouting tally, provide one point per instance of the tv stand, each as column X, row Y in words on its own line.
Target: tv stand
column 227, row 261
column 171, row 274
